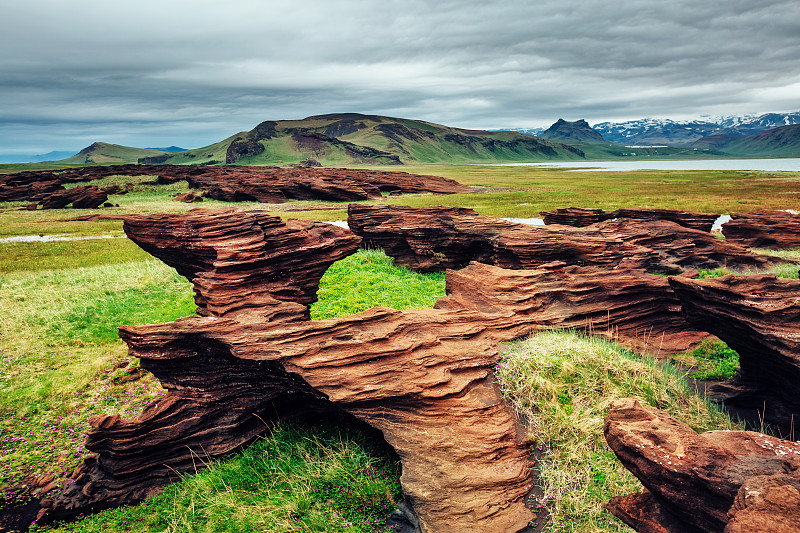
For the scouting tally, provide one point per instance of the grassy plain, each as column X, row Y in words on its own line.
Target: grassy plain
column 60, row 360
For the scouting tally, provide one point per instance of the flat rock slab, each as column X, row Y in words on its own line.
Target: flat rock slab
column 719, row 481
column 582, row 217
column 764, row 229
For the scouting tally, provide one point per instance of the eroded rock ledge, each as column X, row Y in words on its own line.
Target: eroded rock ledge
column 427, row 239
column 764, row 229
column 582, row 217
column 719, row 481
column 759, row 317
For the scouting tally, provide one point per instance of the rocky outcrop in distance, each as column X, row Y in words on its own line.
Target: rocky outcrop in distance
column 581, row 216
column 241, row 183
column 764, row 229
column 759, row 317
column 428, row 239
column 715, row 482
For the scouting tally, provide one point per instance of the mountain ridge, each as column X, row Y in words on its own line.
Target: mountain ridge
column 354, row 138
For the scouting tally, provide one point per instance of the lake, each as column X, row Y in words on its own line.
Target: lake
column 770, row 165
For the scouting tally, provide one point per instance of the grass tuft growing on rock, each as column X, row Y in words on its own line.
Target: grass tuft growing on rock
column 562, row 383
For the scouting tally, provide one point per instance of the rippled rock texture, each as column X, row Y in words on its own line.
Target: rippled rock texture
column 719, row 481
column 759, row 317
column 235, row 183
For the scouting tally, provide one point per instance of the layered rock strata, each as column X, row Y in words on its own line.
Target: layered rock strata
column 427, row 239
column 719, row 481
column 634, row 308
column 764, row 229
column 759, row 317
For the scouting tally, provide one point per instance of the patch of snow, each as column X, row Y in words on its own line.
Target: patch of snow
column 59, row 237
column 717, row 226
column 340, row 223
column 793, row 211
column 531, row 221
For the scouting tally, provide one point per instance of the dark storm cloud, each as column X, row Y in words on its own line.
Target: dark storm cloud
column 190, row 72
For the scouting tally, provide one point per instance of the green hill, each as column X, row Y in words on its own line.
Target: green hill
column 99, row 153
column 351, row 138
column 778, row 142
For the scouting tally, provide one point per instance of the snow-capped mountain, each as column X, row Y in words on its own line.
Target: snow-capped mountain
column 685, row 132
column 529, row 131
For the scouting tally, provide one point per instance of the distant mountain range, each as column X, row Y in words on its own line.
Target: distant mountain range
column 654, row 131
column 352, row 138
column 651, row 131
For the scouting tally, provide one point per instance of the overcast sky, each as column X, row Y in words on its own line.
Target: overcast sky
column 191, row 72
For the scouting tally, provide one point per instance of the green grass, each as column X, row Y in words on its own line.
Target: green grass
column 714, row 361
column 62, row 362
column 58, row 255
column 562, row 384
column 368, row 279
column 298, row 478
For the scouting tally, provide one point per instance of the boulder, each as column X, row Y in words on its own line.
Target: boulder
column 764, row 229
column 709, row 482
column 86, row 197
column 437, row 238
column 759, row 317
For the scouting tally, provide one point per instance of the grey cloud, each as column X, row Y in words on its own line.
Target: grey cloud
column 198, row 70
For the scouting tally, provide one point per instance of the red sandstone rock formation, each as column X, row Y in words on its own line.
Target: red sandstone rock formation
column 634, row 308
column 688, row 219
column 719, row 481
column 87, row 197
column 582, row 217
column 759, row 317
column 764, row 229
column 239, row 261
column 423, row 378
column 428, row 239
